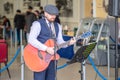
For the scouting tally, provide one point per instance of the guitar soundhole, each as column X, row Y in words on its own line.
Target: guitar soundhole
column 40, row 55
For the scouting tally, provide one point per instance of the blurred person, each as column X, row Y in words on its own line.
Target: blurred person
column 37, row 13
column 57, row 19
column 7, row 25
column 30, row 17
column 19, row 23
column 41, row 12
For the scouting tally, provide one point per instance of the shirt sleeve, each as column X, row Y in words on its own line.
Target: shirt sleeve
column 60, row 36
column 34, row 32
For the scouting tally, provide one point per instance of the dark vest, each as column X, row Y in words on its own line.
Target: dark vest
column 46, row 32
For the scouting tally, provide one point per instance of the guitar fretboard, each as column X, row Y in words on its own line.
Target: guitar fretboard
column 83, row 36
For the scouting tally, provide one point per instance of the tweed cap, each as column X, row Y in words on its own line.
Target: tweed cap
column 51, row 9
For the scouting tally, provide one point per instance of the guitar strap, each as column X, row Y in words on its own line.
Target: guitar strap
column 53, row 31
column 54, row 36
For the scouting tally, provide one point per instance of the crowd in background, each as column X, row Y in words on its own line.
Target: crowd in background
column 22, row 21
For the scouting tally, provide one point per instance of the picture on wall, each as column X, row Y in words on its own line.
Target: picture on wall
column 35, row 3
column 65, row 7
column 8, row 8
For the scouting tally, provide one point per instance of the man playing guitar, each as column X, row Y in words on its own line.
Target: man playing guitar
column 44, row 37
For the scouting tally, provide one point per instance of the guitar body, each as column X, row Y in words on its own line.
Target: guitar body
column 39, row 60
column 33, row 60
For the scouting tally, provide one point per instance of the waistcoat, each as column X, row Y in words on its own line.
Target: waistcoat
column 46, row 32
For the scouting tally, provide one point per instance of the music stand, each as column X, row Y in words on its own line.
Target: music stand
column 82, row 54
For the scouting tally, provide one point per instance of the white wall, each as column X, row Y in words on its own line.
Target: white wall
column 77, row 15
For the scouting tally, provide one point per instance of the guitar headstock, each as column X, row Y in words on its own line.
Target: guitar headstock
column 86, row 35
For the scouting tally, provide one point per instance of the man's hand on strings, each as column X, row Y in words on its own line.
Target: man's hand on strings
column 50, row 50
column 72, row 41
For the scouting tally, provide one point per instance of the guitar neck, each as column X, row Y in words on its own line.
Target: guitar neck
column 83, row 36
column 67, row 43
column 63, row 44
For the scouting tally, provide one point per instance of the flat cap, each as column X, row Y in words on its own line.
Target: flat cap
column 51, row 9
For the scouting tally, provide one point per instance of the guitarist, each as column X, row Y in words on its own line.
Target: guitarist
column 41, row 32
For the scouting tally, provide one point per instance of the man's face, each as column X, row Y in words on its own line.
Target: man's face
column 50, row 18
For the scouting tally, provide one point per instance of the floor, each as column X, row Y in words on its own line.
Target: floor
column 69, row 72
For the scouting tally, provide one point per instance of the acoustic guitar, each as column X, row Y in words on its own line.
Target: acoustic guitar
column 37, row 60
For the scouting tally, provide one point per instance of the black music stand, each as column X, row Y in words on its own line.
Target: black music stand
column 82, row 54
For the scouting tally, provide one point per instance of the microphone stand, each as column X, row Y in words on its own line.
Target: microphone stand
column 55, row 48
column 53, row 35
column 116, row 48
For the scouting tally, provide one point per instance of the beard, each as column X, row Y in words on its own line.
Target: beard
column 51, row 19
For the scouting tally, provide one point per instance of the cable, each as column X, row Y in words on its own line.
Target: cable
column 60, row 67
column 113, row 40
column 99, row 66
column 13, row 59
column 91, row 61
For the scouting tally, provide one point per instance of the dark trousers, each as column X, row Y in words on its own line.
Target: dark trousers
column 48, row 74
column 18, row 36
